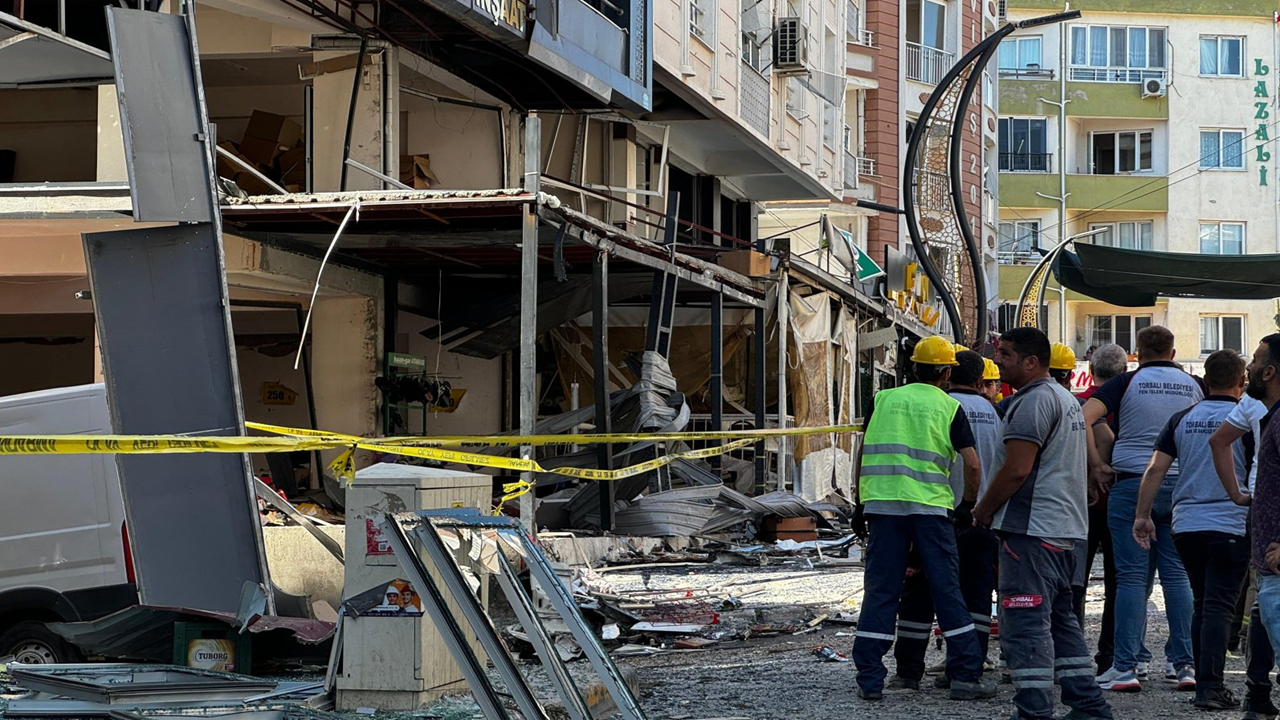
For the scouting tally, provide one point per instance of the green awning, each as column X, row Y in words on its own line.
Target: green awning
column 1136, row 278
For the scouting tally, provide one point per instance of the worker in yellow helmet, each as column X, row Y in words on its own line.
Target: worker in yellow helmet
column 914, row 434
column 991, row 381
column 1062, row 364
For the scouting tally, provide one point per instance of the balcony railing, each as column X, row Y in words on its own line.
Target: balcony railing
column 1027, row 73
column 866, row 166
column 1018, row 257
column 1026, row 162
column 926, row 64
column 1116, row 74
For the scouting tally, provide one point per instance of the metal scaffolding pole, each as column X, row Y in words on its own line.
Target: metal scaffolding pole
column 529, row 308
column 600, row 363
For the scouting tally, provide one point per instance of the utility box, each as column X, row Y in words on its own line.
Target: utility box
column 393, row 657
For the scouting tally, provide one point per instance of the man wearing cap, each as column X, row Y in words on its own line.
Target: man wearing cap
column 913, row 436
column 991, row 381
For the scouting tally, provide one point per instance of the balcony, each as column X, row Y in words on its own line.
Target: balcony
column 1142, row 193
column 1018, row 257
column 1026, row 162
column 927, row 65
column 1032, row 72
column 1130, row 76
column 857, row 167
column 853, row 30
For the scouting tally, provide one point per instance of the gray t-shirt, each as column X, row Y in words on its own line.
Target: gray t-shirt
column 1200, row 504
column 1144, row 400
column 984, row 421
column 1053, row 502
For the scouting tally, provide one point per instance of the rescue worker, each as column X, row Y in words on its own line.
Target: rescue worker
column 976, row 546
column 1062, row 364
column 1143, row 400
column 1037, row 504
column 991, row 381
column 912, row 437
column 1208, row 528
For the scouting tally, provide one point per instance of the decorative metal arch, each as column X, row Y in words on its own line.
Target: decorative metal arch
column 933, row 200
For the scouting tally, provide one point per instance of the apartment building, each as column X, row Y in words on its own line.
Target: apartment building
column 1151, row 122
column 895, row 54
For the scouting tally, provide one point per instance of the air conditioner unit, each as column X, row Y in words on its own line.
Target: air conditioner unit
column 790, row 51
column 1154, row 87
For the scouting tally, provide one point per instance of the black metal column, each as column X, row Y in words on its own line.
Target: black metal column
column 600, row 368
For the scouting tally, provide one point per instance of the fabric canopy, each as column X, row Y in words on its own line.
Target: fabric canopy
column 1135, row 278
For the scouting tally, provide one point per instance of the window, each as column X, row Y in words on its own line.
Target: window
column 700, row 19
column 1112, row 153
column 1128, row 235
column 1221, row 149
column 1119, row 329
column 1221, row 238
column 754, row 52
column 795, row 98
column 927, row 23
column 1024, row 145
column 1022, row 236
column 1221, row 56
column 1221, row 332
column 1020, row 56
column 1106, row 53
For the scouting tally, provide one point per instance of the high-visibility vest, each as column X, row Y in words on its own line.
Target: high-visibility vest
column 906, row 451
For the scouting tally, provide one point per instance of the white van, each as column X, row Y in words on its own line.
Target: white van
column 64, row 552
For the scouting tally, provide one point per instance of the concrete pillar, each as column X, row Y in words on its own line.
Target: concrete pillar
column 111, row 165
column 332, row 101
column 345, row 339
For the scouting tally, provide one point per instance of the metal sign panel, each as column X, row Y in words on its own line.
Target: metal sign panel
column 170, row 179
column 193, row 519
column 34, row 55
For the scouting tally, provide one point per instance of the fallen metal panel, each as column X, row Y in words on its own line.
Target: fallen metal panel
column 122, row 684
column 160, row 110
column 192, row 519
column 35, row 55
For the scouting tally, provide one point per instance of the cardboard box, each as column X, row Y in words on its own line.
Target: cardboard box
column 252, row 185
column 265, row 126
column 261, row 152
column 801, row 529
column 746, row 262
column 415, row 171
column 225, row 167
column 293, row 166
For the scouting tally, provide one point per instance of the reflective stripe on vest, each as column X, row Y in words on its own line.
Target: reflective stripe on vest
column 907, row 452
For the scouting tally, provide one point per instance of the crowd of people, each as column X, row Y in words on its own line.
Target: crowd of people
column 968, row 495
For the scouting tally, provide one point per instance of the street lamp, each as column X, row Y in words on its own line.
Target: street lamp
column 1032, row 298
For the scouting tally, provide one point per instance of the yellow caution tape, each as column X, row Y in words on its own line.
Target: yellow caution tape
column 294, row 439
column 583, row 439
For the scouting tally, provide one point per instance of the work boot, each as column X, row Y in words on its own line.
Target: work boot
column 1260, row 707
column 1074, row 714
column 903, row 683
column 942, row 682
column 1217, row 699
column 981, row 690
column 870, row 695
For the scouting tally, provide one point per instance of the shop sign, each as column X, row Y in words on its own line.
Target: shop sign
column 1262, row 134
column 508, row 14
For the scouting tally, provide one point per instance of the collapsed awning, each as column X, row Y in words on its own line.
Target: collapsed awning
column 34, row 55
column 1135, row 278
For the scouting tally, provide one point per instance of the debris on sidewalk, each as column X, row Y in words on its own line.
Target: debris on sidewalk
column 826, row 653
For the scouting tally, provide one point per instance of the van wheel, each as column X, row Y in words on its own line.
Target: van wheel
column 34, row 644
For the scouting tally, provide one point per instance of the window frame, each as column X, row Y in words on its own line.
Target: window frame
column 1113, row 232
column 1018, row 226
column 1218, row 39
column 945, row 8
column 1016, row 43
column 1113, row 71
column 1133, row 328
column 703, row 31
column 1221, row 150
column 1217, row 320
column 1219, row 224
column 1137, row 151
column 1008, row 122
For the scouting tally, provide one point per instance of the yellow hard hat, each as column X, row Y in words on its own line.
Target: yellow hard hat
column 1061, row 357
column 934, row 350
column 960, row 348
column 992, row 371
